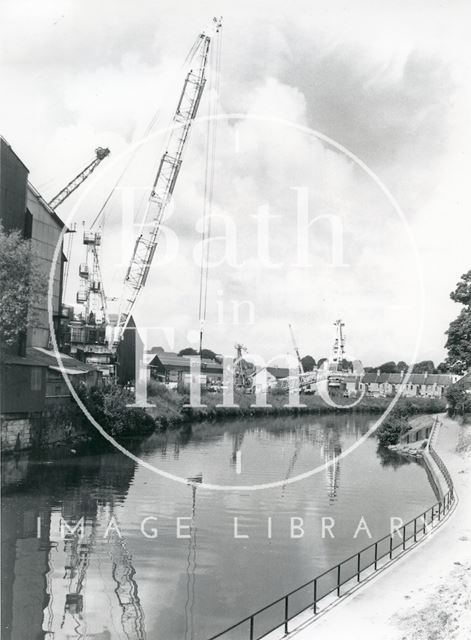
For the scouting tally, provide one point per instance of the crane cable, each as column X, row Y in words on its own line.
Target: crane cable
column 151, row 124
column 210, row 161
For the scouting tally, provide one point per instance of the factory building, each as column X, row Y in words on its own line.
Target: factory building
column 174, row 370
column 31, row 381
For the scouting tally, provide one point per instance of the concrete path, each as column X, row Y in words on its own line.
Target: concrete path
column 426, row 595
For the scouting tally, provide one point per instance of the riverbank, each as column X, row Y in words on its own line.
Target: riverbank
column 172, row 408
column 425, row 595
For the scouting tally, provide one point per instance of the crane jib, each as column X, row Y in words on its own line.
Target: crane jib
column 164, row 184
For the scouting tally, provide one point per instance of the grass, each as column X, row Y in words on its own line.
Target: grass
column 171, row 408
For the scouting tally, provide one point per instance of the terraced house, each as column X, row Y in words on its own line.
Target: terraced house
column 425, row 385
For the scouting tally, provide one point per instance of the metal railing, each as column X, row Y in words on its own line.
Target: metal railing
column 436, row 458
column 343, row 577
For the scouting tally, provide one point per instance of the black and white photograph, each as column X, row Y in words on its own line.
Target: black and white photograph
column 235, row 320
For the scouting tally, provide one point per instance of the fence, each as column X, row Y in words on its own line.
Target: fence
column 342, row 578
column 438, row 461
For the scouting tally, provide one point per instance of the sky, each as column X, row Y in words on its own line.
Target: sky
column 389, row 82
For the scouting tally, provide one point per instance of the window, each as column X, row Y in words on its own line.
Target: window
column 36, row 378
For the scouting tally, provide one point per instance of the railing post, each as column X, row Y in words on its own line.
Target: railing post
column 315, row 596
column 439, row 511
column 338, row 580
column 358, row 567
column 390, row 547
column 415, row 529
column 376, row 555
column 251, row 627
column 286, row 615
column 404, row 537
column 425, row 523
column 433, row 514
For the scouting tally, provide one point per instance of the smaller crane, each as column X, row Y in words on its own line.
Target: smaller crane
column 241, row 373
column 296, row 350
column 338, row 350
column 100, row 154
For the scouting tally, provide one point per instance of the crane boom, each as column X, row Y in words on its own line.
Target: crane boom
column 293, row 340
column 100, row 154
column 164, row 183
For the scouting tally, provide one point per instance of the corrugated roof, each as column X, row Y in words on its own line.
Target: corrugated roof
column 38, row 357
column 369, row 378
column 167, row 358
column 170, row 359
column 395, row 378
column 415, row 378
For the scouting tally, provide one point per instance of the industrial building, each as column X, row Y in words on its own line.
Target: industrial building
column 30, row 375
column 174, row 370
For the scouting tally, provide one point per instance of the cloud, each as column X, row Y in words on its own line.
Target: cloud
column 388, row 82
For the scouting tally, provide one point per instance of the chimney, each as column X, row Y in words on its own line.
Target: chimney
column 425, row 375
column 378, row 372
column 402, row 374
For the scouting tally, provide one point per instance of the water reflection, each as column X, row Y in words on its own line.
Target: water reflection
column 85, row 584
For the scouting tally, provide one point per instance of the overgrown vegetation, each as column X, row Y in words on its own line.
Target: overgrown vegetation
column 459, row 401
column 21, row 284
column 394, row 426
column 459, row 332
column 170, row 410
column 108, row 405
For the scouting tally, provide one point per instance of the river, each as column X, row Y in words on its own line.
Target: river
column 194, row 577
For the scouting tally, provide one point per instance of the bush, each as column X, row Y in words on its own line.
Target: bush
column 393, row 428
column 108, row 405
column 459, row 401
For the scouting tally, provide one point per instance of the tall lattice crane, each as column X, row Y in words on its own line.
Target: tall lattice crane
column 100, row 154
column 91, row 292
column 164, row 183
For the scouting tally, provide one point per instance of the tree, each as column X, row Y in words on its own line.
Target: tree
column 157, row 350
column 320, row 364
column 401, row 366
column 208, row 354
column 443, row 367
column 459, row 401
column 388, row 367
column 462, row 293
column 458, row 342
column 205, row 353
column 425, row 366
column 21, row 284
column 188, row 351
column 308, row 363
column 395, row 425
